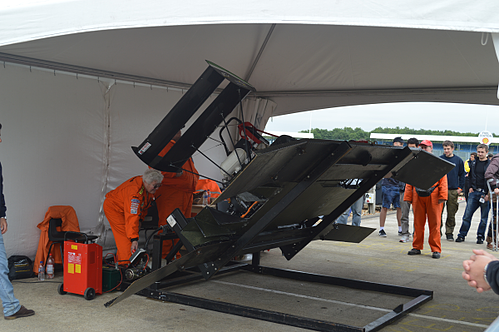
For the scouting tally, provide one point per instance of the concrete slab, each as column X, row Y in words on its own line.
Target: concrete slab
column 455, row 307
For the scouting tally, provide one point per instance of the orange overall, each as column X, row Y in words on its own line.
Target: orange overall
column 212, row 186
column 124, row 207
column 69, row 223
column 175, row 192
column 427, row 207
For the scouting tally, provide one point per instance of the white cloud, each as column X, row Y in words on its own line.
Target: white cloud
column 435, row 116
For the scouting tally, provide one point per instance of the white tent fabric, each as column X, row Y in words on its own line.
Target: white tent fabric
column 26, row 20
column 70, row 118
column 347, row 53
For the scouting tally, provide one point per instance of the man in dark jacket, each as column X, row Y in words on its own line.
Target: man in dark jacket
column 492, row 177
column 11, row 307
column 478, row 196
column 455, row 181
column 467, row 178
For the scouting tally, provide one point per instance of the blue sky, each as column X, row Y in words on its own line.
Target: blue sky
column 436, row 116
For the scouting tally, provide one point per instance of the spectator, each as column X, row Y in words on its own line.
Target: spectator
column 467, row 176
column 478, row 196
column 427, row 204
column 492, row 177
column 356, row 213
column 12, row 309
column 406, row 206
column 482, row 271
column 390, row 190
column 455, row 181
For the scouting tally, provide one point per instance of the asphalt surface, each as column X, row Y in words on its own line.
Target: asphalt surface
column 455, row 306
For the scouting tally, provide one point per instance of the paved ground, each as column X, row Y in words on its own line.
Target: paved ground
column 455, row 307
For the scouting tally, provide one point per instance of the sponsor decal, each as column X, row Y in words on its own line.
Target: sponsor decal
column 134, row 206
column 171, row 220
column 144, row 148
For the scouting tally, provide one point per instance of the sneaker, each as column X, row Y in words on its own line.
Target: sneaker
column 479, row 241
column 23, row 312
column 382, row 233
column 435, row 255
column 404, row 239
column 460, row 239
column 400, row 234
column 490, row 246
column 449, row 237
column 414, row 251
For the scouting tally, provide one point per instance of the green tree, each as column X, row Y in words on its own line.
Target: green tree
column 348, row 133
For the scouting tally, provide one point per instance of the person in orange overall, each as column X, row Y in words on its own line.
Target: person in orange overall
column 126, row 205
column 427, row 207
column 207, row 184
column 176, row 191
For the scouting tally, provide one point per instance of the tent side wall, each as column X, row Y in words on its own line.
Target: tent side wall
column 52, row 149
column 66, row 141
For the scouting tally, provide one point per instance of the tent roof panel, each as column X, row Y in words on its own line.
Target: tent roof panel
column 26, row 20
column 302, row 54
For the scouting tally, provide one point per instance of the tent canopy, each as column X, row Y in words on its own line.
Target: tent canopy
column 84, row 80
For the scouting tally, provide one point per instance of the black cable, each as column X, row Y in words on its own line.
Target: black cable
column 220, row 142
column 150, row 236
column 228, row 132
column 214, row 163
column 244, row 126
column 200, row 175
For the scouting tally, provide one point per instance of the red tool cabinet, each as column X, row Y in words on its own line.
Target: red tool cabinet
column 82, row 269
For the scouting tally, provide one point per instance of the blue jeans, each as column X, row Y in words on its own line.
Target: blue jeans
column 472, row 205
column 390, row 196
column 356, row 213
column 10, row 303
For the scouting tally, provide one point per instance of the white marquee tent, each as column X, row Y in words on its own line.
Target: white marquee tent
column 81, row 81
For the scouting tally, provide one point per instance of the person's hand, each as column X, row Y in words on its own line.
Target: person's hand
column 440, row 201
column 134, row 246
column 496, row 191
column 3, row 225
column 459, row 190
column 470, row 191
column 480, row 252
column 486, row 198
column 474, row 270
